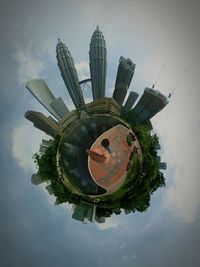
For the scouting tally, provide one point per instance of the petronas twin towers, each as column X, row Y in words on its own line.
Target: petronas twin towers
column 149, row 104
column 69, row 74
column 98, row 65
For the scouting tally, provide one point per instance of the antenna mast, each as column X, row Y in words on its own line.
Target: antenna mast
column 176, row 85
column 159, row 75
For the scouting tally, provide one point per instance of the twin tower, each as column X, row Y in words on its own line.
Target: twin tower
column 150, row 103
column 98, row 66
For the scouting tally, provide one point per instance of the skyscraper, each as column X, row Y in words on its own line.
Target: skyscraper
column 163, row 166
column 150, row 103
column 84, row 212
column 125, row 73
column 69, row 73
column 59, row 106
column 49, row 189
column 158, row 158
column 42, row 149
column 47, row 143
column 42, row 122
column 35, row 179
column 43, row 94
column 158, row 147
column 98, row 64
column 130, row 101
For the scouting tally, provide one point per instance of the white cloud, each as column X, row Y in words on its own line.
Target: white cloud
column 123, row 245
column 29, row 64
column 25, row 143
column 178, row 128
column 111, row 223
column 33, row 59
column 49, row 47
column 83, row 70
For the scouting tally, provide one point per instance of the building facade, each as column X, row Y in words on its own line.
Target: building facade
column 35, row 179
column 130, row 101
column 43, row 94
column 59, row 107
column 163, row 166
column 69, row 73
column 43, row 123
column 98, row 64
column 150, row 103
column 47, row 143
column 104, row 105
column 125, row 73
column 84, row 212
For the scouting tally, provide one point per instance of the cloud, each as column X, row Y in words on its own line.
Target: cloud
column 83, row 70
column 178, row 128
column 178, row 123
column 33, row 59
column 29, row 64
column 25, row 143
column 111, row 223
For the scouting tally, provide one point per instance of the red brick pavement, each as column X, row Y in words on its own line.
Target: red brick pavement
column 106, row 174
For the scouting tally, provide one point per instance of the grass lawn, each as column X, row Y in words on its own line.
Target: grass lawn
column 130, row 180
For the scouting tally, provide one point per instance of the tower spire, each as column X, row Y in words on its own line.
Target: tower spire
column 159, row 75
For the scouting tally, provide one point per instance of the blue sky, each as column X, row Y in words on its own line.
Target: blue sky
column 34, row 232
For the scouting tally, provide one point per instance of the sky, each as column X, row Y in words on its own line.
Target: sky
column 35, row 232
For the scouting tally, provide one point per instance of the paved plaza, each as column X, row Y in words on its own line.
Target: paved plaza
column 111, row 174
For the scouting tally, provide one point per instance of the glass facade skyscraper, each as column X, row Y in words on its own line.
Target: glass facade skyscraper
column 130, row 101
column 43, row 94
column 125, row 73
column 150, row 103
column 59, row 106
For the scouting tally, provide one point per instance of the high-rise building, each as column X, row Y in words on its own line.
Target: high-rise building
column 42, row 122
column 69, row 73
column 84, row 212
column 43, row 94
column 125, row 73
column 47, row 143
column 150, row 103
column 42, row 149
column 158, row 147
column 54, row 121
column 49, row 189
column 35, row 179
column 59, row 106
column 130, row 101
column 100, row 219
column 44, row 145
column 158, row 158
column 163, row 166
column 98, row 64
